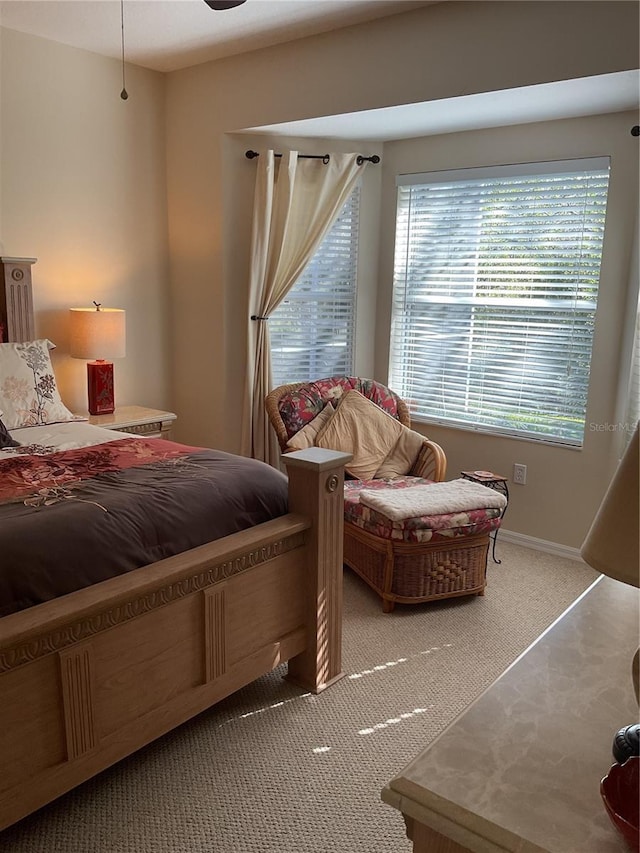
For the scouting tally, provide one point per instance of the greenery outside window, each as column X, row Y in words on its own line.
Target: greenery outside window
column 312, row 331
column 495, row 291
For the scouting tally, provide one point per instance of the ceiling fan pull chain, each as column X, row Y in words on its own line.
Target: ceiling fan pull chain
column 123, row 94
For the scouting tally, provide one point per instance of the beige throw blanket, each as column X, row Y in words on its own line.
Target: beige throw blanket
column 434, row 499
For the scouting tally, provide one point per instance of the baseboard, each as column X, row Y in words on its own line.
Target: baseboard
column 538, row 545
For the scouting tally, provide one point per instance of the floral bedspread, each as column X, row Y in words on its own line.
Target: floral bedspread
column 421, row 529
column 46, row 476
column 72, row 518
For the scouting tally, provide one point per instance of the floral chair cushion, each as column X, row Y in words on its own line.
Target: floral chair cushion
column 426, row 528
column 306, row 437
column 298, row 408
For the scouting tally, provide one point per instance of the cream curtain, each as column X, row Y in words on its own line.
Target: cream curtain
column 296, row 202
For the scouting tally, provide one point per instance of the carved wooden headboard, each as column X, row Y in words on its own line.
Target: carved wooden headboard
column 16, row 300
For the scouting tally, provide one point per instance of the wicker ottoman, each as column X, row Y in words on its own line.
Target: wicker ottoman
column 423, row 558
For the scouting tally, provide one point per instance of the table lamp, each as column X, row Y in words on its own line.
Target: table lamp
column 98, row 334
column 612, row 545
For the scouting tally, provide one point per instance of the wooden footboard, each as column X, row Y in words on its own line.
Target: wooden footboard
column 89, row 678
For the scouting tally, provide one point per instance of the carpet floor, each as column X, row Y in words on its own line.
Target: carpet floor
column 274, row 769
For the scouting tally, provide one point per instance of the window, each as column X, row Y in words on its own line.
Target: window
column 495, row 291
column 312, row 331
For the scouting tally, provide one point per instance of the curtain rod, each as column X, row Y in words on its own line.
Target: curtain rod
column 324, row 157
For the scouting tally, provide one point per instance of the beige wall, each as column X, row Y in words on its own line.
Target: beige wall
column 84, row 191
column 434, row 52
column 564, row 486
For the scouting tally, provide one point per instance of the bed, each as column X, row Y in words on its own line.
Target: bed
column 88, row 676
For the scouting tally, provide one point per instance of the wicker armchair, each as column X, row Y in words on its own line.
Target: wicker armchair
column 398, row 570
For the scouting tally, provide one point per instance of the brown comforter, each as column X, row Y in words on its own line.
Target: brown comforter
column 72, row 518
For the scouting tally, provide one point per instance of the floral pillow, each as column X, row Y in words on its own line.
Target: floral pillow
column 28, row 392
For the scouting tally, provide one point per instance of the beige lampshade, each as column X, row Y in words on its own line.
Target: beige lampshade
column 97, row 333
column 611, row 546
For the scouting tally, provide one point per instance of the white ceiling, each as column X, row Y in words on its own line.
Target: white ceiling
column 166, row 35
column 606, row 93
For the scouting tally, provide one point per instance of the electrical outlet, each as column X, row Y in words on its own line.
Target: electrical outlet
column 519, row 474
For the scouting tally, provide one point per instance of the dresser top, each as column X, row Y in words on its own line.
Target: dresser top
column 520, row 769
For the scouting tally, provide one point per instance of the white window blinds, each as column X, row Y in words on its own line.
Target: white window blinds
column 312, row 331
column 495, row 291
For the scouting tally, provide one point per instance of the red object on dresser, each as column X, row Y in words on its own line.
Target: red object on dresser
column 100, row 387
column 620, row 791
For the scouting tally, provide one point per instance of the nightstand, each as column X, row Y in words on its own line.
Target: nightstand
column 152, row 423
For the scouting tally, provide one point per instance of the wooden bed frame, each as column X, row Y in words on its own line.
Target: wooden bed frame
column 88, row 678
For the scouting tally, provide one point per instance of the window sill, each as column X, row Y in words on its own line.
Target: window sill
column 501, row 434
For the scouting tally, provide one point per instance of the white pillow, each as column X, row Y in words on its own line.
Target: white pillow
column 306, row 437
column 28, row 392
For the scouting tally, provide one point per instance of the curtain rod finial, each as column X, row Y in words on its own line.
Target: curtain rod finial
column 361, row 159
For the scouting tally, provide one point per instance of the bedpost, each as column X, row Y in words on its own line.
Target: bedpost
column 316, row 490
column 16, row 301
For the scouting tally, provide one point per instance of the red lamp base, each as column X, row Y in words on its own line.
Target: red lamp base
column 100, row 387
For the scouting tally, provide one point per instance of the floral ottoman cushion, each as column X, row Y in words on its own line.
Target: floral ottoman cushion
column 425, row 528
